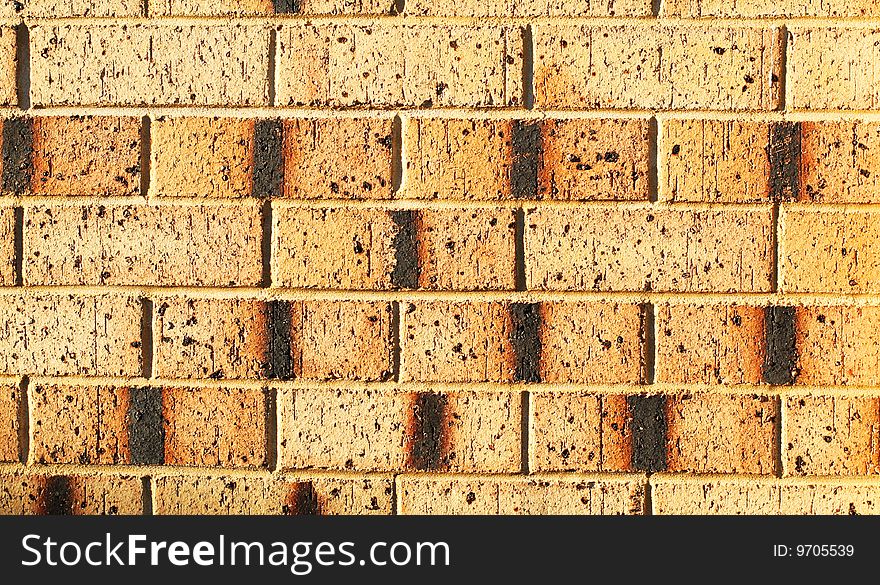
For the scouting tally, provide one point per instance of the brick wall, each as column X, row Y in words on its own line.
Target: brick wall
column 433, row 256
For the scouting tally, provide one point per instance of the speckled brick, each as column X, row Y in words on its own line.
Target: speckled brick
column 609, row 249
column 840, row 161
column 831, row 435
column 7, row 246
column 577, row 495
column 259, row 7
column 8, row 63
column 832, row 68
column 400, row 65
column 566, row 159
column 710, row 344
column 273, row 495
column 759, row 8
column 514, row 8
column 149, row 64
column 11, row 402
column 346, row 248
column 838, row 345
column 84, row 8
column 139, row 244
column 674, row 495
column 56, row 335
column 668, row 67
column 829, row 251
column 716, row 433
column 394, row 430
column 28, row 493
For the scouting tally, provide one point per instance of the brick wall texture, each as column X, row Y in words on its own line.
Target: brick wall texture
column 439, row 257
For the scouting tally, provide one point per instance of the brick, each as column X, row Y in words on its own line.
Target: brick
column 714, row 433
column 85, row 8
column 608, row 249
column 671, row 495
column 273, row 495
column 829, row 251
column 27, row 493
column 8, row 61
column 831, row 435
column 657, row 66
column 399, row 65
column 840, row 162
column 710, row 344
column 7, row 246
column 142, row 244
column 104, row 425
column 259, row 7
column 434, row 249
column 578, row 159
column 838, row 346
column 758, row 8
column 832, row 68
column 578, row 495
column 392, row 430
column 11, row 402
column 579, row 431
column 247, row 339
column 511, row 8
column 338, row 158
column 149, row 64
column 56, row 335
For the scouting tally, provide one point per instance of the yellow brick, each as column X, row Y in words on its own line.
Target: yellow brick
column 7, row 246
column 85, row 8
column 7, row 67
column 259, row 7
column 28, row 493
column 762, row 8
column 519, row 8
column 838, row 345
column 840, row 162
column 11, row 401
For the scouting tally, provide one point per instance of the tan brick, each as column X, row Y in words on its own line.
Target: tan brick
column 829, row 251
column 391, row 430
column 838, row 345
column 833, row 68
column 648, row 249
column 149, row 64
column 54, row 335
column 76, row 8
column 520, row 495
column 513, row 8
column 715, row 433
column 271, row 495
column 11, row 402
column 710, row 344
column 389, row 65
column 27, row 493
column 140, row 244
column 258, row 7
column 840, row 162
column 341, row 158
column 7, row 246
column 8, row 62
column 581, row 159
column 579, row 431
column 674, row 495
column 202, row 338
column 457, row 342
column 10, row 10
column 831, row 435
column 760, row 8
column 657, row 66
column 590, row 343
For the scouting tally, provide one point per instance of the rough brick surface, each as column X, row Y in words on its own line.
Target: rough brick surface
column 7, row 246
column 134, row 64
column 389, row 65
column 832, row 68
column 707, row 67
column 829, row 251
column 11, row 401
column 23, row 492
column 719, row 496
column 514, row 8
column 272, row 495
column 8, row 94
column 392, row 430
column 77, row 8
column 840, row 162
column 838, row 346
column 524, row 495
column 258, row 7
column 139, row 244
column 56, row 335
column 759, row 8
column 654, row 250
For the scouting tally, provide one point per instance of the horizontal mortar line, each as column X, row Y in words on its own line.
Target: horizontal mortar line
column 628, row 297
column 411, row 19
column 670, row 388
column 134, row 200
column 513, row 204
column 740, row 478
column 185, row 471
